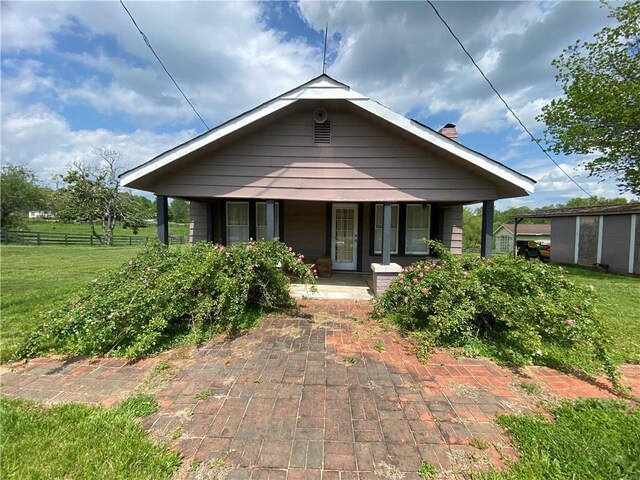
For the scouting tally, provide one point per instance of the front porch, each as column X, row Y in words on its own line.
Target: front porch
column 364, row 237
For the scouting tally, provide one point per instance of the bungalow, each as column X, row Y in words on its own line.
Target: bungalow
column 504, row 235
column 332, row 173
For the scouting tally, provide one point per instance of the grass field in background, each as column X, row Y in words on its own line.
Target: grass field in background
column 35, row 279
column 53, row 226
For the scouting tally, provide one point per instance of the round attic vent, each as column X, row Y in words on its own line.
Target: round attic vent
column 320, row 115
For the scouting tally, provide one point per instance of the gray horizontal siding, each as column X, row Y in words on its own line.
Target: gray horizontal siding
column 364, row 162
column 197, row 221
column 452, row 228
column 305, row 227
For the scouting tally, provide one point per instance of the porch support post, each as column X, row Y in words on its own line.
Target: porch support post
column 163, row 218
column 271, row 219
column 386, row 233
column 487, row 229
column 515, row 236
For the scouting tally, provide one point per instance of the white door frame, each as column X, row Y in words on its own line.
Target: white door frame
column 353, row 266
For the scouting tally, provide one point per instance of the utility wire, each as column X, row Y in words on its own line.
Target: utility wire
column 503, row 100
column 146, row 40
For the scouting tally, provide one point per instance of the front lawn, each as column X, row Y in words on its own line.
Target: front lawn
column 618, row 302
column 36, row 279
column 588, row 439
column 78, row 441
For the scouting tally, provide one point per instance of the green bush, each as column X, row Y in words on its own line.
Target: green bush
column 164, row 293
column 517, row 310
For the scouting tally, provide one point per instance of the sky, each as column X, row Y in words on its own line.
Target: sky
column 78, row 74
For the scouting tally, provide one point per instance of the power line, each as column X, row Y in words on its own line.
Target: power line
column 146, row 40
column 503, row 100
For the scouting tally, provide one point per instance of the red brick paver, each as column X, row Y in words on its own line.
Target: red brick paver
column 325, row 394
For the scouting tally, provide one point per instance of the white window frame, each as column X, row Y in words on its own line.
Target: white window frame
column 376, row 227
column 248, row 224
column 407, row 228
column 276, row 219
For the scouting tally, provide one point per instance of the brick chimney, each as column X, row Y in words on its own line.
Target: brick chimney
column 449, row 131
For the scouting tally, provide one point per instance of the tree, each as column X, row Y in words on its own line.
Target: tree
column 19, row 194
column 91, row 193
column 588, row 202
column 600, row 111
column 147, row 207
column 179, row 211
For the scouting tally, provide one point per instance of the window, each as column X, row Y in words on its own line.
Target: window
column 261, row 220
column 417, row 228
column 377, row 243
column 237, row 222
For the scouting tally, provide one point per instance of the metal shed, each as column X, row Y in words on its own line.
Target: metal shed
column 607, row 236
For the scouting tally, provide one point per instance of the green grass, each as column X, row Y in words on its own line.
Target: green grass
column 83, row 228
column 588, row 439
column 78, row 441
column 618, row 297
column 37, row 279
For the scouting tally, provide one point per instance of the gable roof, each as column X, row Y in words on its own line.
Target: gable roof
column 527, row 228
column 619, row 209
column 324, row 87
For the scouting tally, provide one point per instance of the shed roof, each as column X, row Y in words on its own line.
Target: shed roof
column 324, row 87
column 527, row 228
column 621, row 209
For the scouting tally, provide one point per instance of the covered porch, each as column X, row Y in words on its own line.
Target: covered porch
column 377, row 239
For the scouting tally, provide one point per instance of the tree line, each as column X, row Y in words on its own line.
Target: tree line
column 89, row 192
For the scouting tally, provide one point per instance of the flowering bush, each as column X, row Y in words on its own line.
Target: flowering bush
column 167, row 292
column 523, row 311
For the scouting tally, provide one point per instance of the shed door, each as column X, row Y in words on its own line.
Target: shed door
column 588, row 240
column 344, row 236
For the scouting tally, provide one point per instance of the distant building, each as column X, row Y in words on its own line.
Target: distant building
column 504, row 235
column 607, row 235
column 41, row 214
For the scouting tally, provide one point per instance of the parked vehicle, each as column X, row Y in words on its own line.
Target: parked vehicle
column 531, row 249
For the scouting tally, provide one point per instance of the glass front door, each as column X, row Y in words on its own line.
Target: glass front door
column 344, row 243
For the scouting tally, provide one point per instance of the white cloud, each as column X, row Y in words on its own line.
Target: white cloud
column 22, row 31
column 227, row 60
column 44, row 141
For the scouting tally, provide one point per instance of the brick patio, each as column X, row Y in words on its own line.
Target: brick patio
column 323, row 394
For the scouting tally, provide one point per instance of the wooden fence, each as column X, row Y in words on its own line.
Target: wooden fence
column 54, row 238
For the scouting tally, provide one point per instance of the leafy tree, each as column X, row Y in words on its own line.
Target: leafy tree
column 147, row 207
column 471, row 228
column 91, row 193
column 600, row 111
column 588, row 202
column 179, row 211
column 19, row 194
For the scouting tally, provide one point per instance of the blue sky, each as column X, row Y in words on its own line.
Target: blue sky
column 78, row 74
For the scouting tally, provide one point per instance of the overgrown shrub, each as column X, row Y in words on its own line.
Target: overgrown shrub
column 517, row 310
column 167, row 292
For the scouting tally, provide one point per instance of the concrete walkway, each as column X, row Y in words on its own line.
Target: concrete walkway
column 340, row 286
column 323, row 394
